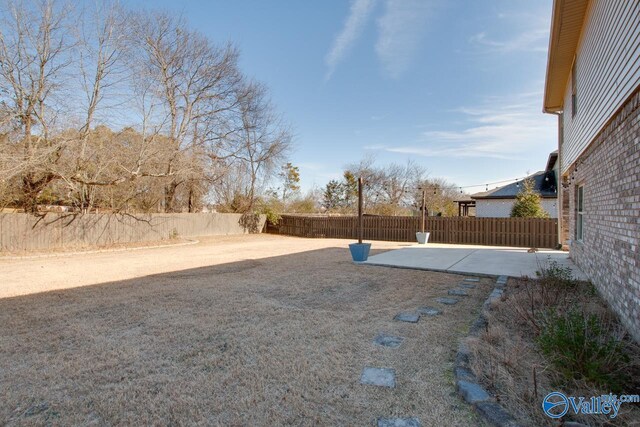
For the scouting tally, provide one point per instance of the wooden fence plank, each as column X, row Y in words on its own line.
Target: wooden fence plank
column 519, row 232
column 23, row 232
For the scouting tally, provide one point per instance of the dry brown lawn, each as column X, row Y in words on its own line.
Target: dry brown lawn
column 253, row 330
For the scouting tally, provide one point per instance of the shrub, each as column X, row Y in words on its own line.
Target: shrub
column 271, row 211
column 553, row 272
column 555, row 287
column 585, row 347
column 173, row 234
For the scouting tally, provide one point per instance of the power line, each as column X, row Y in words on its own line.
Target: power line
column 460, row 187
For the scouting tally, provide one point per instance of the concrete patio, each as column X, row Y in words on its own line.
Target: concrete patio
column 477, row 260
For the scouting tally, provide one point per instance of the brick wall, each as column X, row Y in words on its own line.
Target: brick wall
column 609, row 254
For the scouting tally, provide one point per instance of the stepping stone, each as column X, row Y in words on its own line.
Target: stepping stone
column 447, row 301
column 399, row 422
column 472, row 392
column 388, row 341
column 407, row 317
column 429, row 311
column 467, row 285
column 471, row 279
column 458, row 292
column 502, row 280
column 381, row 377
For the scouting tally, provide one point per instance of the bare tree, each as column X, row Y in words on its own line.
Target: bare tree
column 262, row 141
column 231, row 189
column 400, row 182
column 190, row 118
column 440, row 196
column 388, row 190
column 102, row 42
column 373, row 181
column 193, row 80
column 34, row 54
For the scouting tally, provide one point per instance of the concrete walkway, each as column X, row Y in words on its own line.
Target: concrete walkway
column 469, row 259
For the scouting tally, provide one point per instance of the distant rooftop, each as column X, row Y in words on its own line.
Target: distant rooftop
column 545, row 184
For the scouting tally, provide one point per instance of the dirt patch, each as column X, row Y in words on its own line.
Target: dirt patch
column 272, row 331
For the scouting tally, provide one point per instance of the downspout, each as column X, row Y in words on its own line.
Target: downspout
column 559, row 187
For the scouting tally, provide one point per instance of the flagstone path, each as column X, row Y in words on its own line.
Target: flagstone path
column 386, row 377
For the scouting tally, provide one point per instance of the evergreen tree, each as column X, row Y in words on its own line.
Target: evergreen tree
column 350, row 189
column 333, row 195
column 528, row 202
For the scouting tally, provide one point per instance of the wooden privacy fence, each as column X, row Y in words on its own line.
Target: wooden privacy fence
column 24, row 232
column 519, row 232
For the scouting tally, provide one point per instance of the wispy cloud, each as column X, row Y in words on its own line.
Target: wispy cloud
column 518, row 32
column 353, row 27
column 400, row 31
column 376, row 147
column 530, row 41
column 500, row 129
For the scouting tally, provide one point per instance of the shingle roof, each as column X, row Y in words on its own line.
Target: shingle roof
column 545, row 184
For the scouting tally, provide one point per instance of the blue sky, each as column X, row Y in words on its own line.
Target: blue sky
column 455, row 85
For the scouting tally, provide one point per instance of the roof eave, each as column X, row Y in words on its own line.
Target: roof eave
column 563, row 43
column 553, row 41
column 553, row 109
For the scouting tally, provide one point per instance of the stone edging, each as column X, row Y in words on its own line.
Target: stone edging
column 467, row 383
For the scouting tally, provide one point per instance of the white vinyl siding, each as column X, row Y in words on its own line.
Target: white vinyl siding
column 501, row 208
column 608, row 71
column 574, row 97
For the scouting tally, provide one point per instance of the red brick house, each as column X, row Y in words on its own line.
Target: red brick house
column 593, row 85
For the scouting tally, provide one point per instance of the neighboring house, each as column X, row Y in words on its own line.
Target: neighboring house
column 497, row 203
column 593, row 85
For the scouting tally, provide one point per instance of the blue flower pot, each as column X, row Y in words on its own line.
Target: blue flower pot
column 359, row 251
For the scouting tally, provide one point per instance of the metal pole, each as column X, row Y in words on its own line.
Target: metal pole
column 424, row 202
column 360, row 222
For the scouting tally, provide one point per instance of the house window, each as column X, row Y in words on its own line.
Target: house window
column 574, row 97
column 580, row 214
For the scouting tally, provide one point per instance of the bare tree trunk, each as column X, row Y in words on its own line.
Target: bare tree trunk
column 169, row 196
